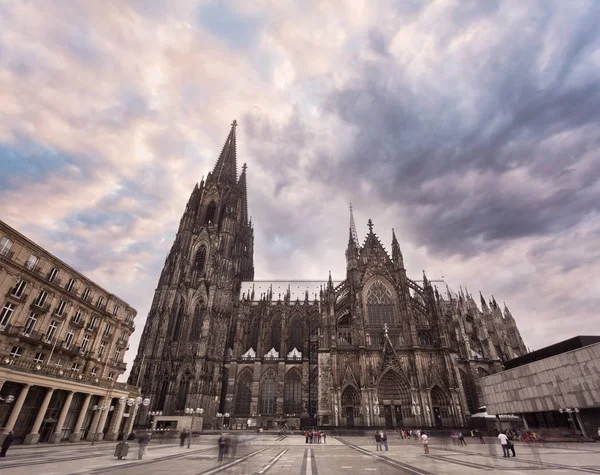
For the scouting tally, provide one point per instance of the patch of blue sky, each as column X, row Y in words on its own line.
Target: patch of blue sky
column 99, row 218
column 237, row 30
column 27, row 161
column 79, row 41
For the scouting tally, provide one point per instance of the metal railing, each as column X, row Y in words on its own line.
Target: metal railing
column 65, row 374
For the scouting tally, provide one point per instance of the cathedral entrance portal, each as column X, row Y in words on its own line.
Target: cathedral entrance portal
column 349, row 416
column 437, row 415
column 387, row 413
column 350, row 404
column 393, row 393
column 398, row 414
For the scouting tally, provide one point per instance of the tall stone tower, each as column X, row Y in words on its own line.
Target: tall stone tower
column 180, row 361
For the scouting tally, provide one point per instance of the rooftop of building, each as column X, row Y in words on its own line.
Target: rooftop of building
column 559, row 348
column 47, row 254
column 297, row 287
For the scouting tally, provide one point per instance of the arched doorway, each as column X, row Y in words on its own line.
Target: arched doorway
column 243, row 396
column 440, row 403
column 350, row 405
column 394, row 395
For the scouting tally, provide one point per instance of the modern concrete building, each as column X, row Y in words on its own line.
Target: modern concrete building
column 62, row 343
column 555, row 387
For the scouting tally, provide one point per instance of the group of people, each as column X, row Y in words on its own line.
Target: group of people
column 408, row 434
column 227, row 446
column 315, row 436
column 458, row 438
column 381, row 440
column 507, row 440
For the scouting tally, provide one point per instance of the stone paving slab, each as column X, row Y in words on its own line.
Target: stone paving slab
column 267, row 455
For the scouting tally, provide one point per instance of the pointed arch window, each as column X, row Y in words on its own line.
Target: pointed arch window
column 380, row 305
column 470, row 394
column 164, row 388
column 292, row 397
column 268, row 396
column 275, row 336
column 184, row 389
column 197, row 323
column 254, row 333
column 243, row 395
column 296, row 334
column 200, row 259
column 177, row 324
column 210, row 213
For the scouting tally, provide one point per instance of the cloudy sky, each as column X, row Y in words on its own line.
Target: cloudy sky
column 471, row 127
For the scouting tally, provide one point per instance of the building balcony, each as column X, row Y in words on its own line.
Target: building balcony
column 78, row 324
column 122, row 366
column 27, row 366
column 32, row 337
column 61, row 315
column 8, row 255
column 37, row 308
column 10, row 330
column 16, row 298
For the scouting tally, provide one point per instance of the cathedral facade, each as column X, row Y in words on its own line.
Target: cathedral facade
column 376, row 349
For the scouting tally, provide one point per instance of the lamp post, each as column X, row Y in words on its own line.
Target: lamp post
column 134, row 403
column 154, row 414
column 100, row 409
column 192, row 412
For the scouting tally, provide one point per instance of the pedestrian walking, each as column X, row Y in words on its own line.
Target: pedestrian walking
column 510, row 444
column 504, row 443
column 143, row 441
column 324, row 437
column 384, row 440
column 233, row 443
column 479, row 435
column 461, row 439
column 222, row 445
column 306, row 436
column 425, row 441
column 378, row 440
column 6, row 443
column 182, row 438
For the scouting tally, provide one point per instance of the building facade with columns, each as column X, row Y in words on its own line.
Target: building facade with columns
column 373, row 349
column 62, row 343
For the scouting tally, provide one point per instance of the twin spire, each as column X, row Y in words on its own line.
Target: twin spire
column 226, row 167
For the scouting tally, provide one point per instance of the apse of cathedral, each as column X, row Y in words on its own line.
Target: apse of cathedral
column 377, row 349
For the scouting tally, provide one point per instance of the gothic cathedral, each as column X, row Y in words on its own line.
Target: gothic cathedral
column 377, row 349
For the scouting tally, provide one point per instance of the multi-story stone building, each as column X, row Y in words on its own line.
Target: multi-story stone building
column 62, row 343
column 374, row 349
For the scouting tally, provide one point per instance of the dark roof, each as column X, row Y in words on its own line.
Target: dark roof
column 552, row 350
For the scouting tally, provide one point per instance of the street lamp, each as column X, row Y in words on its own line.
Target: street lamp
column 154, row 414
column 100, row 409
column 192, row 412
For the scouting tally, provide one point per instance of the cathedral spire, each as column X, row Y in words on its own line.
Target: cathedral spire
column 396, row 252
column 244, row 192
column 226, row 167
column 353, row 233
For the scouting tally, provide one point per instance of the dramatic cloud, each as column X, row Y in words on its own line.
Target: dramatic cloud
column 472, row 128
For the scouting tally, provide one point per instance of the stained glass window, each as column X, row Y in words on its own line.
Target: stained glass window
column 380, row 305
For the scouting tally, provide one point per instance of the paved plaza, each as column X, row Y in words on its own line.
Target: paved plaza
column 290, row 455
